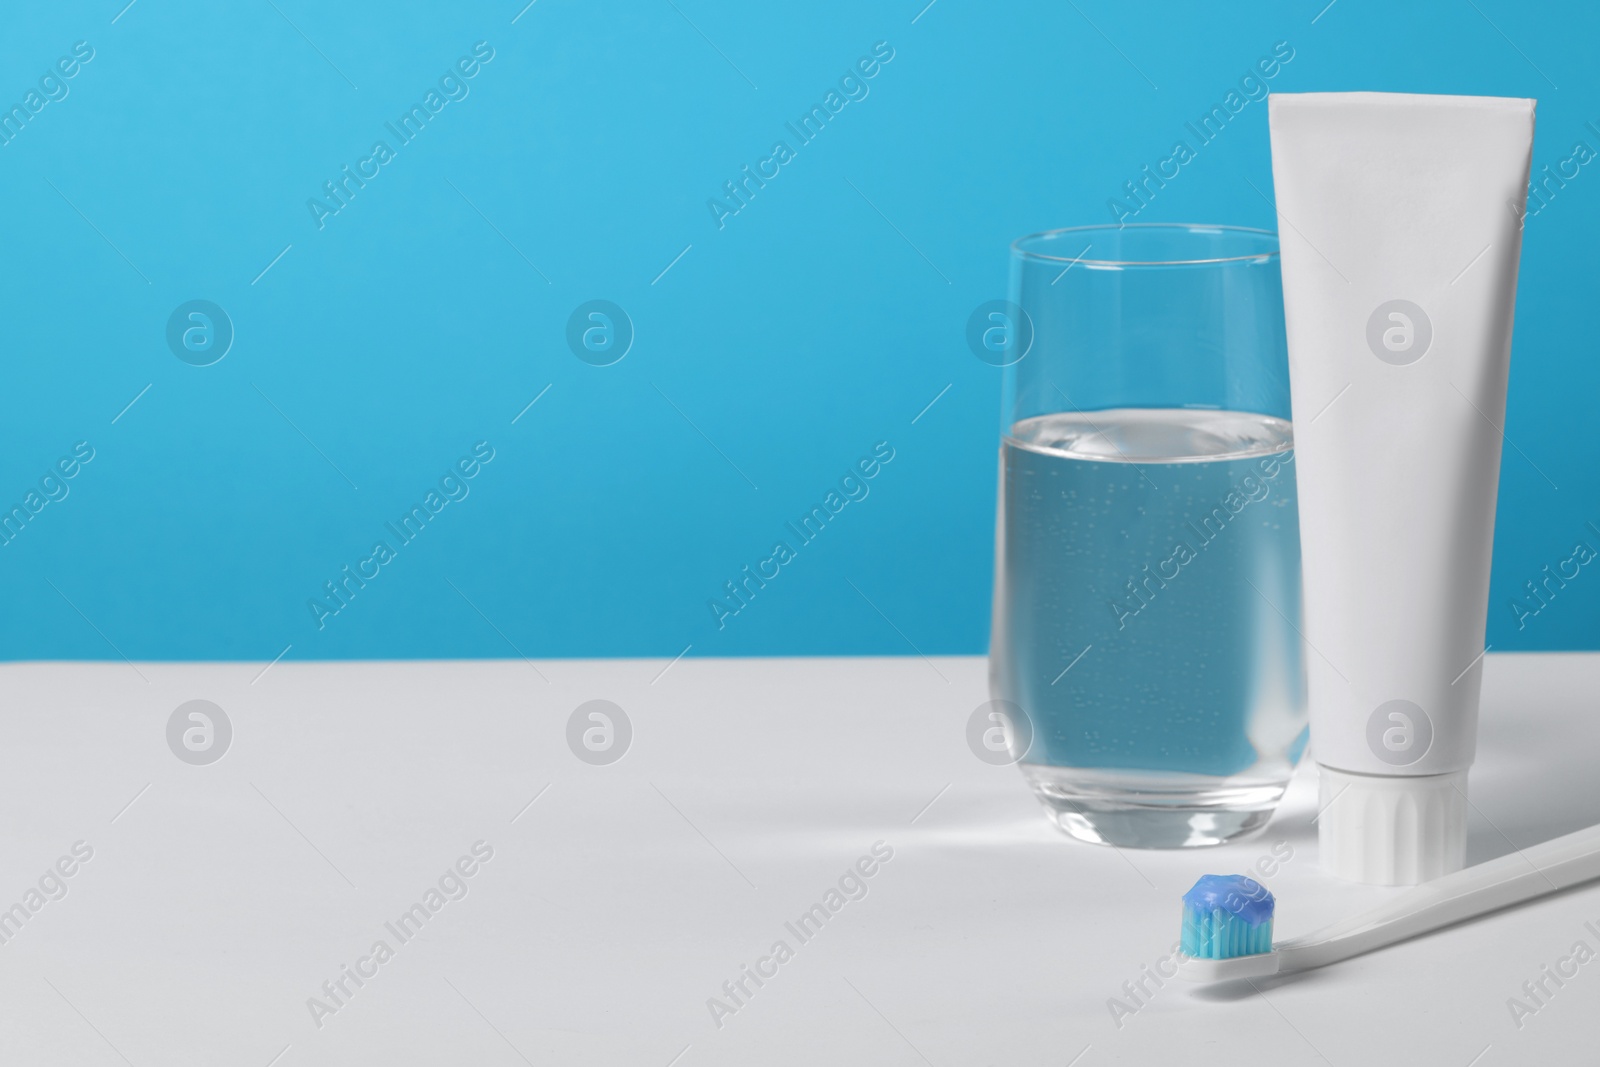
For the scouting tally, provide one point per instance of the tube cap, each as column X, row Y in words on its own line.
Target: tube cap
column 1392, row 829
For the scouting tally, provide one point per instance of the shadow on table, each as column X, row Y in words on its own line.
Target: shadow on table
column 1535, row 775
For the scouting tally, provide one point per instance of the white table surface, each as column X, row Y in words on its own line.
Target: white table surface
column 222, row 897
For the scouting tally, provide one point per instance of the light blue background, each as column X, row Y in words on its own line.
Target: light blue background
column 822, row 319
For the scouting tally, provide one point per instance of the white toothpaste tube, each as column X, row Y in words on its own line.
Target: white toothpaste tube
column 1400, row 227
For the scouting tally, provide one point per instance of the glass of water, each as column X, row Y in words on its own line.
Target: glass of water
column 1146, row 652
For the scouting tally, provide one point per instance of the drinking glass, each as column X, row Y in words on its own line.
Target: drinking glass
column 1145, row 647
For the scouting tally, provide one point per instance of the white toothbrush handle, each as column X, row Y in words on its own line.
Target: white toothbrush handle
column 1511, row 879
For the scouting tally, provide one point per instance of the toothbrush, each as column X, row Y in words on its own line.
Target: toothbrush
column 1227, row 923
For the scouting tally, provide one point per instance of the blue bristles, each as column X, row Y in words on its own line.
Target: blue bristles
column 1226, row 915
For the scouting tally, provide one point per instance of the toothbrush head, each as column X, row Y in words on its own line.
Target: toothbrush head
column 1227, row 929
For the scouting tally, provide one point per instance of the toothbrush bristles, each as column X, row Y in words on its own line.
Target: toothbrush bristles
column 1225, row 916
